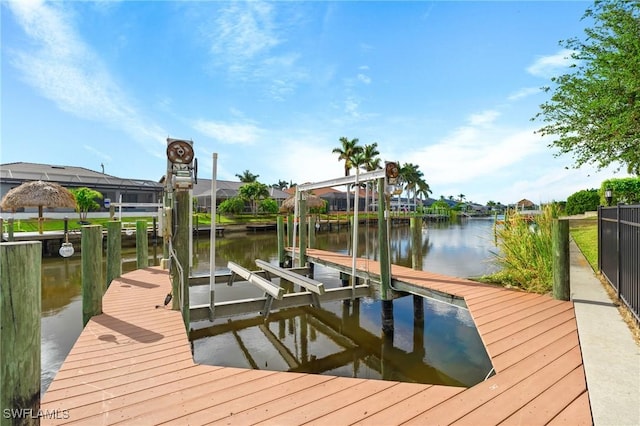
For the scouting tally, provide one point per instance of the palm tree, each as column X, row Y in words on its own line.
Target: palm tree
column 281, row 185
column 346, row 152
column 247, row 177
column 411, row 176
column 423, row 189
column 371, row 163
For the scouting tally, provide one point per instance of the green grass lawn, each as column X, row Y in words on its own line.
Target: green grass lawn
column 586, row 237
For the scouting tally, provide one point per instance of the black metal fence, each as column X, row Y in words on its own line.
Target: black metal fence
column 619, row 252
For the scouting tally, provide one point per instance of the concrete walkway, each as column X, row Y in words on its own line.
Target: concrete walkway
column 610, row 354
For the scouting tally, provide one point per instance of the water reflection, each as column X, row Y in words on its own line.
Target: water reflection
column 441, row 347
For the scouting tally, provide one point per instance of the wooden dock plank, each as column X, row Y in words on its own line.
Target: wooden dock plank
column 577, row 413
column 260, row 413
column 413, row 406
column 325, row 405
column 228, row 403
column 478, row 395
column 523, row 323
column 551, row 403
column 357, row 411
column 502, row 406
column 133, row 365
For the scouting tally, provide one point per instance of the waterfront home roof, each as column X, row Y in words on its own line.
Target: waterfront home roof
column 68, row 176
column 228, row 189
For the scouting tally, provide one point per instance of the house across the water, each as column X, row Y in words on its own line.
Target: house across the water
column 70, row 177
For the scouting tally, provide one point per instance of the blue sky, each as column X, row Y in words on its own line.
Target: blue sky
column 272, row 86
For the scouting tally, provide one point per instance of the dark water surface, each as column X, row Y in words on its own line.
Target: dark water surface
column 338, row 339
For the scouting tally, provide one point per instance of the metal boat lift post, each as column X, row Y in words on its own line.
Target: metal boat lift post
column 375, row 175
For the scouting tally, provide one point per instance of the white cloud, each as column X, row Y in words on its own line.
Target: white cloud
column 351, row 106
column 243, row 31
column 478, row 151
column 306, row 158
column 364, row 78
column 484, row 118
column 66, row 71
column 97, row 152
column 523, row 93
column 232, row 133
column 243, row 38
column 549, row 66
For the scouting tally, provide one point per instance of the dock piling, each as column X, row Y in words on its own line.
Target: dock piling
column 280, row 231
column 114, row 250
column 92, row 282
column 142, row 244
column 10, row 229
column 182, row 200
column 560, row 244
column 20, row 310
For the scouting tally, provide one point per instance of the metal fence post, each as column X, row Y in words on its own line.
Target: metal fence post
column 618, row 251
column 600, row 238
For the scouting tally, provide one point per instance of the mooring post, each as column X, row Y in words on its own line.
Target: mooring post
column 66, row 228
column 114, row 250
column 183, row 200
column 560, row 244
column 290, row 226
column 92, row 282
column 10, row 229
column 142, row 244
column 385, row 267
column 303, row 233
column 20, row 339
column 312, row 231
column 280, row 229
column 415, row 225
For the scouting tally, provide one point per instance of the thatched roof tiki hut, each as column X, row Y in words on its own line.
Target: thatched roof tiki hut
column 38, row 194
column 313, row 202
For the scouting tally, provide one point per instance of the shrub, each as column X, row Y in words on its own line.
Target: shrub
column 86, row 200
column 625, row 190
column 234, row 205
column 582, row 201
column 525, row 250
column 268, row 205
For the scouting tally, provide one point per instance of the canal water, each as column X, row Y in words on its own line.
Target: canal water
column 342, row 339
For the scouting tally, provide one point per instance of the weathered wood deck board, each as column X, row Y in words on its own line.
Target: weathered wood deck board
column 133, row 365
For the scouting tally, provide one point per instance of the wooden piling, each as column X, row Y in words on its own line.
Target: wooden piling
column 10, row 229
column 290, row 226
column 415, row 226
column 181, row 289
column 92, row 282
column 142, row 244
column 383, row 238
column 560, row 244
column 20, row 335
column 114, row 251
column 303, row 232
column 280, row 230
column 312, row 231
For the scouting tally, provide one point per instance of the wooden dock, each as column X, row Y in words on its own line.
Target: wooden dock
column 133, row 365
